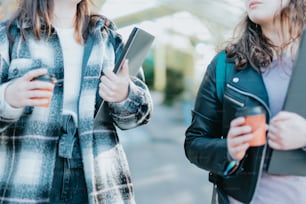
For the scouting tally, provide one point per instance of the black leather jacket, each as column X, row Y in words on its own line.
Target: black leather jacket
column 205, row 143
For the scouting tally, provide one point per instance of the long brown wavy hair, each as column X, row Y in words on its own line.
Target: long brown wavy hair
column 249, row 46
column 38, row 14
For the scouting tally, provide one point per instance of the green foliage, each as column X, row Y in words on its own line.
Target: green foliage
column 174, row 86
column 148, row 68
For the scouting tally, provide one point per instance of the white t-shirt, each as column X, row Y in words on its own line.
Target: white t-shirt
column 73, row 56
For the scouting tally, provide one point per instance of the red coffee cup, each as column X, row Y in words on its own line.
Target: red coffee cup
column 255, row 117
column 48, row 78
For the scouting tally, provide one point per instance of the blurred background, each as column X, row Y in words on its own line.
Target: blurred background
column 187, row 34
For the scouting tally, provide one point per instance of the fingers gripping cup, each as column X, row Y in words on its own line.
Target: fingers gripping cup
column 47, row 78
column 255, row 117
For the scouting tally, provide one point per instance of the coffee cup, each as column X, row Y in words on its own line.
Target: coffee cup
column 47, row 78
column 255, row 117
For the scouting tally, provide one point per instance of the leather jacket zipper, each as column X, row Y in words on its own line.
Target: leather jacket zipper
column 265, row 147
column 252, row 96
column 260, row 169
column 234, row 101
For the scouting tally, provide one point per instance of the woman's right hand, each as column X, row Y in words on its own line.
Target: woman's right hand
column 238, row 137
column 26, row 91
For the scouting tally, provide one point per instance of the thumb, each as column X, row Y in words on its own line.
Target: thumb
column 124, row 71
column 283, row 115
column 35, row 73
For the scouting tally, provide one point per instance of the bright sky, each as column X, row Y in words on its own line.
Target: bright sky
column 116, row 8
column 176, row 29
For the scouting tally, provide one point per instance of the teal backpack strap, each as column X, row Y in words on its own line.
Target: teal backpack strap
column 222, row 72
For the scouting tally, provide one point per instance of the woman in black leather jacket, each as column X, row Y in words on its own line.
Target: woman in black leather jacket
column 260, row 59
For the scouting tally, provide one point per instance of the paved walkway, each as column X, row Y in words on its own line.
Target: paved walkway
column 160, row 171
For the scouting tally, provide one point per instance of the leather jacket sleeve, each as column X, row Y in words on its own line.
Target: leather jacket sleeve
column 204, row 145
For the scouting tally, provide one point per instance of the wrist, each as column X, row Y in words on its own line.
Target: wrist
column 125, row 94
column 7, row 96
column 231, row 165
column 8, row 111
column 229, row 157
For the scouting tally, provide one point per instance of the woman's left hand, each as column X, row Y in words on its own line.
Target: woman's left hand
column 287, row 131
column 115, row 87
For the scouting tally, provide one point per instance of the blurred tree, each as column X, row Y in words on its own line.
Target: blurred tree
column 174, row 86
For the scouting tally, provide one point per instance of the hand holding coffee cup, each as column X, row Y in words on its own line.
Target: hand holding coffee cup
column 27, row 91
column 50, row 78
column 255, row 117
